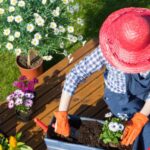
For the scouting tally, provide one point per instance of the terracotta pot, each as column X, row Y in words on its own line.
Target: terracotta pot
column 30, row 73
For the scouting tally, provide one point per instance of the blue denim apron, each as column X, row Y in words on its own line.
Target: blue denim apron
column 137, row 89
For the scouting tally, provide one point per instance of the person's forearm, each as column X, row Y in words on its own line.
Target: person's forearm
column 146, row 108
column 64, row 101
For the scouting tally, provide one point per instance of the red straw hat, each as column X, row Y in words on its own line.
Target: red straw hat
column 125, row 39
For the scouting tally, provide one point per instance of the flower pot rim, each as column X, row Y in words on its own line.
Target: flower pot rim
column 26, row 68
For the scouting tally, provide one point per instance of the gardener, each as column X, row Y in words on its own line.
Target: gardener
column 125, row 51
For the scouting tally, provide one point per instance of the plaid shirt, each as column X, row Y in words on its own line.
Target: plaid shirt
column 114, row 79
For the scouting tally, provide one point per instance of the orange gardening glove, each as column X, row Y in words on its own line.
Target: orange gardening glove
column 133, row 128
column 62, row 125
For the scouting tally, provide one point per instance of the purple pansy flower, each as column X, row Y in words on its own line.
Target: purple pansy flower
column 10, row 104
column 10, row 97
column 18, row 101
column 28, row 103
column 29, row 95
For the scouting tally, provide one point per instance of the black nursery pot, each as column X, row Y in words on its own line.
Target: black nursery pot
column 54, row 142
column 24, row 116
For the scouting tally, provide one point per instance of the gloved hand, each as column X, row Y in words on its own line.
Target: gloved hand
column 133, row 128
column 62, row 125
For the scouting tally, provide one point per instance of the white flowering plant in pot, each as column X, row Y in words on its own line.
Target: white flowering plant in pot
column 46, row 26
column 112, row 129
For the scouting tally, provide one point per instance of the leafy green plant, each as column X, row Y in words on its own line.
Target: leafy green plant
column 12, row 143
column 112, row 129
column 46, row 26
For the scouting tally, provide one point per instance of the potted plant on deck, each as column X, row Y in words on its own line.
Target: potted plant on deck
column 35, row 30
column 88, row 134
column 22, row 99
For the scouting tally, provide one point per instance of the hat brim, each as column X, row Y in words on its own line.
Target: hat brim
column 124, row 60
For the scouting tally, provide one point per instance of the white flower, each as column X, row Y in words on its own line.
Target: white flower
column 70, row 29
column 108, row 115
column 1, row 1
column 52, row 1
column 6, row 31
column 21, row 3
column 56, row 12
column 17, row 34
column 53, row 25
column 84, row 42
column 10, row 18
column 18, row 19
column 39, row 21
column 18, row 101
column 13, row 2
column 11, row 38
column 30, row 27
column 36, row 15
column 2, row 11
column 70, row 9
column 35, row 42
column 56, row 31
column 76, row 7
column 47, row 58
column 80, row 38
column 37, row 36
column 65, row 1
column 44, row 2
column 61, row 29
column 65, row 52
column 80, row 21
column 123, row 116
column 113, row 126
column 70, row 37
column 61, row 45
column 17, row 51
column 11, row 9
column 9, row 46
column 120, row 127
column 74, row 39
column 70, row 58
column 71, row 1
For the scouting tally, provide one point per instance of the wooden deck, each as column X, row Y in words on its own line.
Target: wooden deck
column 87, row 100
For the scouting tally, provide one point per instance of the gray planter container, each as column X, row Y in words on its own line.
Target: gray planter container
column 54, row 144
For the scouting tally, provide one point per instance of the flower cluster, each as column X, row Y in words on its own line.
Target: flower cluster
column 12, row 143
column 22, row 98
column 48, row 26
column 112, row 128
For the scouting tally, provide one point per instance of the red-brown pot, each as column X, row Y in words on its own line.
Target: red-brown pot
column 30, row 73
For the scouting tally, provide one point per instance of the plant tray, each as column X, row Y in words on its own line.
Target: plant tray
column 54, row 142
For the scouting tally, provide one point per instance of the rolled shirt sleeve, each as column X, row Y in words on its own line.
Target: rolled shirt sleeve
column 90, row 64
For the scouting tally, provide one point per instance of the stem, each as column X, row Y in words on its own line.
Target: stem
column 28, row 59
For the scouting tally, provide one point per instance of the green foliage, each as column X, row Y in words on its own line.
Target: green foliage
column 111, row 133
column 8, row 74
column 12, row 143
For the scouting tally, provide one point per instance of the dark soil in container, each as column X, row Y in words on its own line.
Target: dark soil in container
column 86, row 133
column 36, row 60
